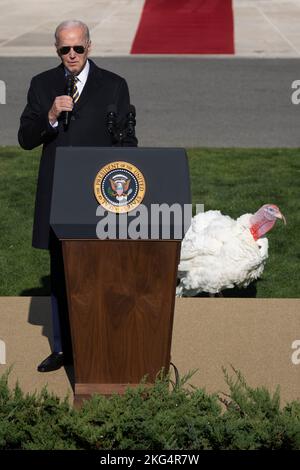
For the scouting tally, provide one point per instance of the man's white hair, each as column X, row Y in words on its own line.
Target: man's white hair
column 71, row 24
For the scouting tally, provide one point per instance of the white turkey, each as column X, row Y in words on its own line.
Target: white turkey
column 219, row 252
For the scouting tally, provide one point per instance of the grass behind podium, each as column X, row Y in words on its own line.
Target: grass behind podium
column 234, row 181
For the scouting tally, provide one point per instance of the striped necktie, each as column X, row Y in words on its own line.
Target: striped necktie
column 75, row 94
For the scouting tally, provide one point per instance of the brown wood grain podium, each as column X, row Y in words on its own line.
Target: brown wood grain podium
column 121, row 292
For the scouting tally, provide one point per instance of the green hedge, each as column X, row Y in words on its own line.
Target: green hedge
column 159, row 418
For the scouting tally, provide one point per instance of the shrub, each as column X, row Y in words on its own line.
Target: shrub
column 156, row 418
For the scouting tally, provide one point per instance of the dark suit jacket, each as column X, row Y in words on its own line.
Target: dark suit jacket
column 87, row 127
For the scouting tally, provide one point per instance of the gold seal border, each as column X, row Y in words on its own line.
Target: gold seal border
column 119, row 165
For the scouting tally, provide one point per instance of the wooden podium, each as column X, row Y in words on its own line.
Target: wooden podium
column 121, row 292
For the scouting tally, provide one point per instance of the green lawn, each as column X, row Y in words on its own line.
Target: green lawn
column 234, row 181
column 22, row 267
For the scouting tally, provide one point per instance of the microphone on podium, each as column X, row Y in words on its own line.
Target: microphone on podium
column 130, row 121
column 120, row 129
column 111, row 118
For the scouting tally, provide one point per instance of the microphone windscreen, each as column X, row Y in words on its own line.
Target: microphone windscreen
column 131, row 109
column 112, row 108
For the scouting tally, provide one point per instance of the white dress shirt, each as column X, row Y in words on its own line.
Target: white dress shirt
column 82, row 77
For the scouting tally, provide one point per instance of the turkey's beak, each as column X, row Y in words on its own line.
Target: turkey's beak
column 281, row 216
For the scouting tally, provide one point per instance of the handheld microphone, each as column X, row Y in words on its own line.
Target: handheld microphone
column 69, row 91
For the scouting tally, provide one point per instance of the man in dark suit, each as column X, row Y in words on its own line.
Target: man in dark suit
column 43, row 122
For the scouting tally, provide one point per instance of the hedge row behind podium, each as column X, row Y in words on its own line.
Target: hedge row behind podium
column 87, row 127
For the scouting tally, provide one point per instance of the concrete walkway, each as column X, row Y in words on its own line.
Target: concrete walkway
column 27, row 26
column 263, row 28
column 267, row 28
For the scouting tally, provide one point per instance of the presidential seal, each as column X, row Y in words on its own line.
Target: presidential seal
column 119, row 187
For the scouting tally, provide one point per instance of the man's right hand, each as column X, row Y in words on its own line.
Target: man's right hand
column 60, row 104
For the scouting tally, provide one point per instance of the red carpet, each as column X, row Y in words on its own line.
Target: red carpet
column 185, row 27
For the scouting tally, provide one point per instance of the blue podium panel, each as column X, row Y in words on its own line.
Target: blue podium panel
column 165, row 186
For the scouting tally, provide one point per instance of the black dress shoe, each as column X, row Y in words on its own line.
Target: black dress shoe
column 53, row 362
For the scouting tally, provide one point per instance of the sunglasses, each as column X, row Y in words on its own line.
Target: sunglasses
column 66, row 49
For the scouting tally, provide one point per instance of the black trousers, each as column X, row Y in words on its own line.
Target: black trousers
column 58, row 289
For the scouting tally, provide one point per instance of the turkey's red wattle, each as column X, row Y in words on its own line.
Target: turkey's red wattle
column 253, row 231
column 260, row 227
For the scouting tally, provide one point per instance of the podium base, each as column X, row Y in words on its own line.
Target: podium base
column 85, row 391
